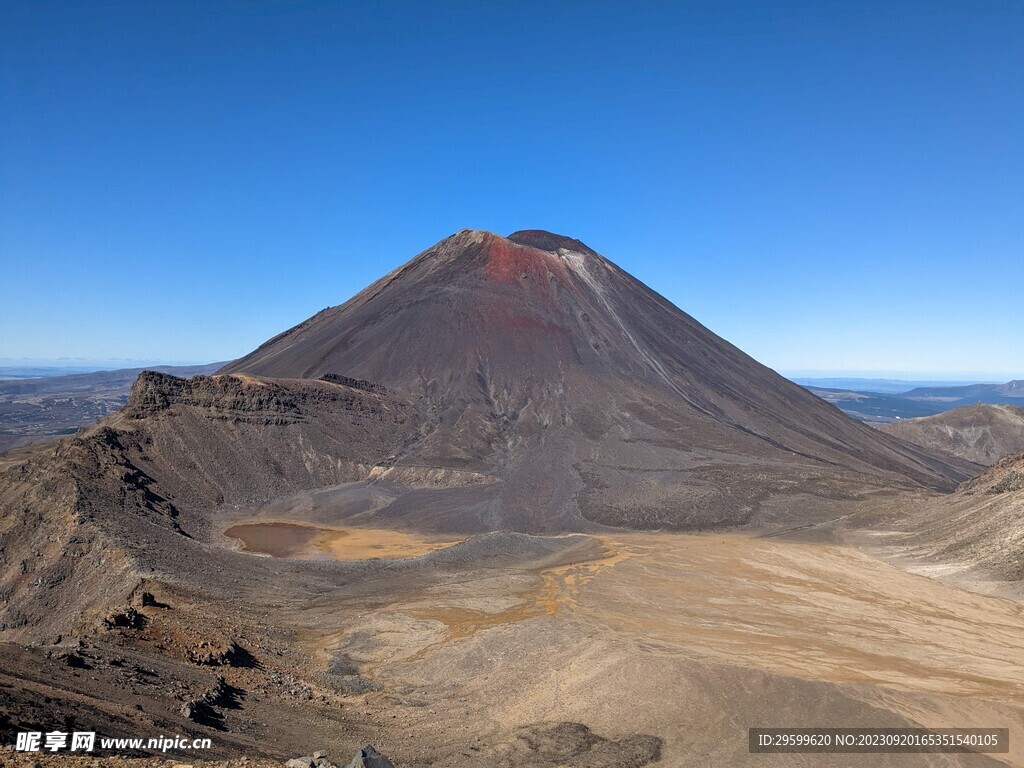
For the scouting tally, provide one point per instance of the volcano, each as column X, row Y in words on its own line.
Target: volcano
column 554, row 391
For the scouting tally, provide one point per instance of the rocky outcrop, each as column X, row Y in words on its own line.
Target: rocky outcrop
column 368, row 757
column 246, row 398
column 62, row 571
column 574, row 745
column 346, row 381
column 980, row 528
column 1007, row 476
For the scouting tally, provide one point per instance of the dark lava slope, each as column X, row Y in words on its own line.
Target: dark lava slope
column 581, row 396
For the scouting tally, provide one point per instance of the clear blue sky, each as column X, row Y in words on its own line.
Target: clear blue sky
column 832, row 186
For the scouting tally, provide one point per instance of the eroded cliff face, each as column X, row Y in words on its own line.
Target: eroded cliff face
column 244, row 439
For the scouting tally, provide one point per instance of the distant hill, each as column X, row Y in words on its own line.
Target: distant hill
column 980, row 433
column 881, row 386
column 885, row 408
column 1011, row 393
column 34, row 410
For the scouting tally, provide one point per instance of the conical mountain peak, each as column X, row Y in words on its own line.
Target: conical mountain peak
column 541, row 365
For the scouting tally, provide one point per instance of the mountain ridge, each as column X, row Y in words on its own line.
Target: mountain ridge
column 981, row 433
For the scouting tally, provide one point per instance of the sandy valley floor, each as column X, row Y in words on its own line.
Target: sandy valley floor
column 693, row 639
column 629, row 649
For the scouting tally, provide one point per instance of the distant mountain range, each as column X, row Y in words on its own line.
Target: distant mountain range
column 878, row 407
column 28, row 368
column 883, row 386
column 41, row 408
